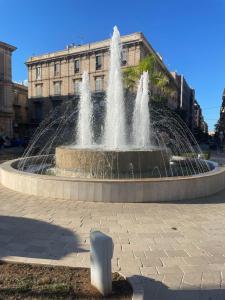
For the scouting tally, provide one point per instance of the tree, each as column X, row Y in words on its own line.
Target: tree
column 159, row 83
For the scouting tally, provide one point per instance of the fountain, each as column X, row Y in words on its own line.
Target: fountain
column 115, row 131
column 114, row 158
column 84, row 132
column 160, row 161
column 141, row 117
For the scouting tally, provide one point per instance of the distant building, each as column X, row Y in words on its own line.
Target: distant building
column 13, row 97
column 204, row 127
column 198, row 120
column 221, row 122
column 55, row 77
column 197, row 115
column 20, row 108
column 186, row 99
column 6, row 90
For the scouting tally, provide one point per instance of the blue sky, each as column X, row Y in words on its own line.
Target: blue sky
column 189, row 35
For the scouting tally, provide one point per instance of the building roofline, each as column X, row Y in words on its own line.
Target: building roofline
column 101, row 44
column 20, row 86
column 7, row 46
column 83, row 48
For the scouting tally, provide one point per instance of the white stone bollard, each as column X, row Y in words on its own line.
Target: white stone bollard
column 101, row 255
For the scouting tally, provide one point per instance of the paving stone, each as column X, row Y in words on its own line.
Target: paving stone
column 169, row 270
column 192, row 280
column 211, row 280
column 196, row 260
column 148, row 271
column 128, row 263
column 140, row 254
column 202, row 268
column 218, row 259
column 151, row 262
column 173, row 261
column 172, row 264
column 173, row 281
column 176, row 253
column 151, row 254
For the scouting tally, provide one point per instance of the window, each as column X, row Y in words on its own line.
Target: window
column 38, row 72
column 38, row 90
column 77, row 86
column 56, row 69
column 99, row 84
column 98, row 62
column 76, row 66
column 16, row 98
column 124, row 56
column 57, row 88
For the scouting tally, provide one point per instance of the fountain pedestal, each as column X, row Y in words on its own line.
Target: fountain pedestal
column 99, row 163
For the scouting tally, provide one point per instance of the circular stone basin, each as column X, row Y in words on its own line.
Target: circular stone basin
column 99, row 163
column 112, row 190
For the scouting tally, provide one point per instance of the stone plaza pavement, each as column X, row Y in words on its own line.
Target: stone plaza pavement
column 175, row 250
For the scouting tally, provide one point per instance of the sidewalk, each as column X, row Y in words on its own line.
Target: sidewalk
column 175, row 249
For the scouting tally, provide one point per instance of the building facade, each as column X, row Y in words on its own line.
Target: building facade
column 221, row 122
column 6, row 90
column 220, row 126
column 199, row 123
column 55, row 77
column 13, row 97
column 186, row 100
column 20, row 109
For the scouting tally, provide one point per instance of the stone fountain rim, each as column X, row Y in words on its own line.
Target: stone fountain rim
column 144, row 190
column 111, row 150
column 8, row 166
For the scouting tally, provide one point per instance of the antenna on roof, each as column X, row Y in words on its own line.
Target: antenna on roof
column 80, row 39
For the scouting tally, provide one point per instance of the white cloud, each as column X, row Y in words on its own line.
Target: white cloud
column 23, row 82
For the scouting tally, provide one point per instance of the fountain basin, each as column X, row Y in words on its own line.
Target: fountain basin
column 110, row 190
column 98, row 163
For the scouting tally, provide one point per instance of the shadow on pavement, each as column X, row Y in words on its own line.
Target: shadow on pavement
column 156, row 290
column 36, row 239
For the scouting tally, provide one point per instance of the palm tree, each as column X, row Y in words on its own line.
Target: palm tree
column 160, row 88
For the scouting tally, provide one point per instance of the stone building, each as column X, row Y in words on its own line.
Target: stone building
column 220, row 125
column 6, row 90
column 20, row 109
column 186, row 100
column 55, row 77
column 198, row 119
column 13, row 97
column 221, row 122
column 197, row 115
column 204, row 127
